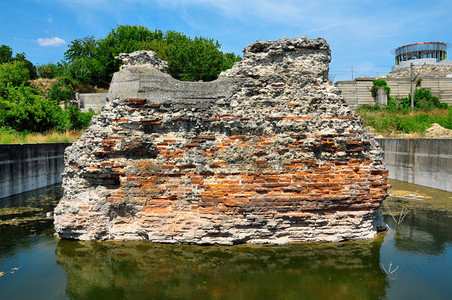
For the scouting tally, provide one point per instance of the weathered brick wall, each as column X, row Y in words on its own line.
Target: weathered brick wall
column 268, row 153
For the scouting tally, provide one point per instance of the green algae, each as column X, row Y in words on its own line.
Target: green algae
column 403, row 194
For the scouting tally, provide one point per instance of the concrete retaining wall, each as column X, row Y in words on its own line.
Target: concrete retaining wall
column 25, row 167
column 425, row 162
column 95, row 101
column 357, row 92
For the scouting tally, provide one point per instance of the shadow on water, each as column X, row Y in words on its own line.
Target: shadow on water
column 135, row 270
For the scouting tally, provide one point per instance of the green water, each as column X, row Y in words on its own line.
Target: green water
column 35, row 265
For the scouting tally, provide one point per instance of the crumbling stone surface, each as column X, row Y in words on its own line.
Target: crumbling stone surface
column 147, row 58
column 268, row 153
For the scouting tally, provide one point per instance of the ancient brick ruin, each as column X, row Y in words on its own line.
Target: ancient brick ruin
column 267, row 153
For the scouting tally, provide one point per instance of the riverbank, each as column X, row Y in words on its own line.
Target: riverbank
column 9, row 136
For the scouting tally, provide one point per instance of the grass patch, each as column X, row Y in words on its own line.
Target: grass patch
column 390, row 122
column 10, row 136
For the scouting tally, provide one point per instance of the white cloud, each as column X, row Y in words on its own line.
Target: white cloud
column 51, row 42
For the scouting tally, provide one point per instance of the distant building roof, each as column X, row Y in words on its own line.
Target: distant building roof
column 431, row 52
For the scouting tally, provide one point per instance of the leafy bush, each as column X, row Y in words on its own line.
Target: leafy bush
column 13, row 74
column 22, row 110
column 62, row 90
column 424, row 100
column 377, row 84
column 52, row 70
column 77, row 119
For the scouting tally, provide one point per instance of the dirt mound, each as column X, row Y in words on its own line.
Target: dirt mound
column 43, row 84
column 437, row 131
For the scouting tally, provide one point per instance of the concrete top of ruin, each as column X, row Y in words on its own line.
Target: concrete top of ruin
column 284, row 62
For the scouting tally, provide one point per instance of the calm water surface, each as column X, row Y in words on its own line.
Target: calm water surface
column 35, row 265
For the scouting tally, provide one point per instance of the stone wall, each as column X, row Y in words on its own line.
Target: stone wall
column 268, row 153
column 31, row 166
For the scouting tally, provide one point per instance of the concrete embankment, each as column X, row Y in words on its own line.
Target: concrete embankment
column 426, row 162
column 25, row 167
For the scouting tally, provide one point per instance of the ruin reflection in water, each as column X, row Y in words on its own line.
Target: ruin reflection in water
column 152, row 271
column 35, row 264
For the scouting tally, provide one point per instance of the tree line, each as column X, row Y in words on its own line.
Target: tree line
column 90, row 63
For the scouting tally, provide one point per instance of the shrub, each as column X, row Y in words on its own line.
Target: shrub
column 380, row 83
column 368, row 107
column 22, row 110
column 424, row 100
column 77, row 119
column 51, row 71
column 62, row 90
column 13, row 74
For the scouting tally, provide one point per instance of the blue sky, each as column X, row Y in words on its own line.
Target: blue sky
column 362, row 34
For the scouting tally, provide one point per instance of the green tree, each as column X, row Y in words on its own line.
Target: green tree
column 123, row 39
column 228, row 60
column 84, row 47
column 86, row 69
column 28, row 64
column 14, row 73
column 91, row 61
column 198, row 59
column 160, row 47
column 6, row 54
